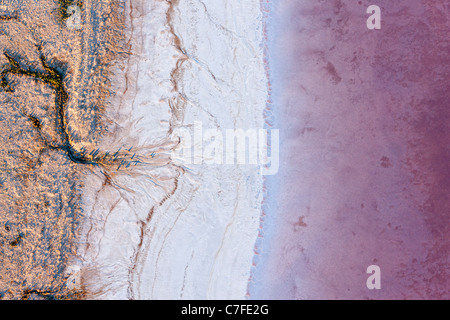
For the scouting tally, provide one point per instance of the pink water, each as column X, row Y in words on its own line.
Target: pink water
column 364, row 154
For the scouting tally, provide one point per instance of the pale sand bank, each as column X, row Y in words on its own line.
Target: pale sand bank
column 169, row 230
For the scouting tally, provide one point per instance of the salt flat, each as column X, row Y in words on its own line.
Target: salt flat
column 174, row 230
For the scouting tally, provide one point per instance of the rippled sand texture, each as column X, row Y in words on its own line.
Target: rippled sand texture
column 172, row 229
column 53, row 86
column 364, row 156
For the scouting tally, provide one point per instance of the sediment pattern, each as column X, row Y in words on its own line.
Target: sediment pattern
column 48, row 138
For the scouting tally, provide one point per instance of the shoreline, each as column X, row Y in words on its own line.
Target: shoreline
column 188, row 236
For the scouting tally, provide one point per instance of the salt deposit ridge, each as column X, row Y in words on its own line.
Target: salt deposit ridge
column 174, row 230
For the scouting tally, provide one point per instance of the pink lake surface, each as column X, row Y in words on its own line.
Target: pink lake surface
column 364, row 152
